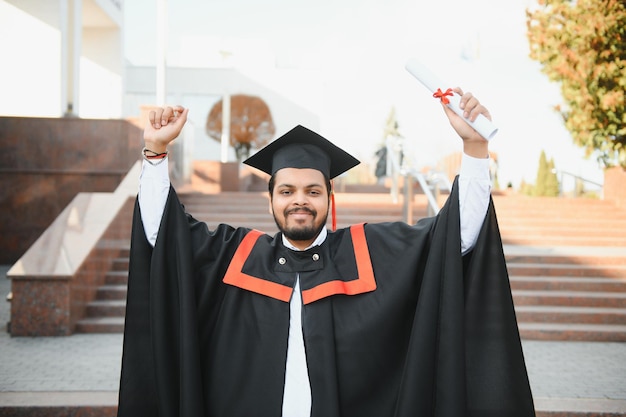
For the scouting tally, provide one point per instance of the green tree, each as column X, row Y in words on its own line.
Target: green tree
column 547, row 184
column 552, row 182
column 581, row 44
column 542, row 175
column 525, row 188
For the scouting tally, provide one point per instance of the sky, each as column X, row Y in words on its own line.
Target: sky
column 352, row 54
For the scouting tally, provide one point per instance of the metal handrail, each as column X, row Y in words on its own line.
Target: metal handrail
column 576, row 177
column 396, row 169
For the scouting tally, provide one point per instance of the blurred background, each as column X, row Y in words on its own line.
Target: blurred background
column 336, row 67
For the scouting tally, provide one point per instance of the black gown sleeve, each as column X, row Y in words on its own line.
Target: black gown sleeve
column 160, row 361
column 465, row 356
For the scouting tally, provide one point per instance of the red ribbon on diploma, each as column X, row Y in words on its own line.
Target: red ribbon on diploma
column 442, row 95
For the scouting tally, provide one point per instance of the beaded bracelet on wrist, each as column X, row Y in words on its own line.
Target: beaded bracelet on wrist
column 149, row 155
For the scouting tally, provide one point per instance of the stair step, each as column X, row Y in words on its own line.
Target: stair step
column 100, row 325
column 38, row 403
column 579, row 407
column 106, row 308
column 121, row 263
column 566, row 270
column 111, row 292
column 566, row 259
column 587, row 225
column 116, row 277
column 566, row 314
column 569, row 298
column 561, row 283
column 573, row 332
column 530, row 239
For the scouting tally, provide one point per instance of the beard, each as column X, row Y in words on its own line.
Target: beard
column 305, row 232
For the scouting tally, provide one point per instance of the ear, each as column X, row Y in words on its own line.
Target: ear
column 271, row 209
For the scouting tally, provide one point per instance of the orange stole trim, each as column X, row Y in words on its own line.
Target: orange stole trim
column 365, row 281
column 235, row 277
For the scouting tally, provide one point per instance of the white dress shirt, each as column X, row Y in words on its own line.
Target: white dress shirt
column 474, row 190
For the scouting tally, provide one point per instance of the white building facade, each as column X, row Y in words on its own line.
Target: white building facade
column 62, row 57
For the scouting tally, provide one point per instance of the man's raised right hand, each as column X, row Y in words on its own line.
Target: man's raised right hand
column 165, row 124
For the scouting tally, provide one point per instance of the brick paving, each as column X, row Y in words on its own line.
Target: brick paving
column 84, row 368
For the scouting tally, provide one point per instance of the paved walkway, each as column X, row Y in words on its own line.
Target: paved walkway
column 84, row 369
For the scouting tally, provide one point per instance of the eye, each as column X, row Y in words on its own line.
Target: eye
column 284, row 192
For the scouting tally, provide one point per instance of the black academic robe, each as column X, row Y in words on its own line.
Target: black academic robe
column 396, row 322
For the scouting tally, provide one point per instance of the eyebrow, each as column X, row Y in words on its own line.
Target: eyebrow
column 287, row 185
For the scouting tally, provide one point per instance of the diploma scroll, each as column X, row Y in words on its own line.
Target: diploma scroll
column 482, row 125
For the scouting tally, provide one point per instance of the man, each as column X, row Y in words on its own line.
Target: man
column 372, row 320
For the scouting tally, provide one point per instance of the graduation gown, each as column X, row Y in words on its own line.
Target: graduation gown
column 395, row 321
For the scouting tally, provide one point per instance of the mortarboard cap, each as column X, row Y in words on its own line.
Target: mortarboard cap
column 302, row 148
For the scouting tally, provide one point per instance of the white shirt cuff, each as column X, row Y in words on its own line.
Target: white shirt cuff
column 474, row 194
column 474, row 168
column 154, row 186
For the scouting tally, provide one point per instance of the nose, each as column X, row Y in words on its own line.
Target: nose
column 301, row 199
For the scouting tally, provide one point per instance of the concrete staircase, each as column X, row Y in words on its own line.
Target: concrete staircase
column 567, row 265
column 566, row 258
column 569, row 297
column 569, row 222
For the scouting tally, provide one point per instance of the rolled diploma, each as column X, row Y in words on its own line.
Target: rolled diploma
column 482, row 125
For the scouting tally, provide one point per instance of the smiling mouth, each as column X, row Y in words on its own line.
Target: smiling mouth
column 300, row 214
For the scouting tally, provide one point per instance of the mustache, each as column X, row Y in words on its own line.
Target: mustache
column 301, row 210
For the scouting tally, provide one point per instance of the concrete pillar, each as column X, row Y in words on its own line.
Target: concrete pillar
column 225, row 127
column 161, row 94
column 70, row 12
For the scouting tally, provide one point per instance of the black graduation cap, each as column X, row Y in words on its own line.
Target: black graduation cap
column 302, row 148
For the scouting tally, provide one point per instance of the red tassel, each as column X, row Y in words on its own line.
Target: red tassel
column 332, row 206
